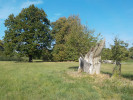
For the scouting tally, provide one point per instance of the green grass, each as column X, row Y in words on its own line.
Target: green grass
column 60, row 81
column 126, row 69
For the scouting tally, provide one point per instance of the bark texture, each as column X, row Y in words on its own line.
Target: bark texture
column 91, row 63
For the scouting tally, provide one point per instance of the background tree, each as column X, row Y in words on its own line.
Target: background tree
column 131, row 52
column 59, row 30
column 1, row 47
column 119, row 50
column 79, row 40
column 106, row 54
column 71, row 38
column 27, row 33
column 119, row 53
column 47, row 55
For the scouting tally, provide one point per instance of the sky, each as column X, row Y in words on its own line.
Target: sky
column 109, row 17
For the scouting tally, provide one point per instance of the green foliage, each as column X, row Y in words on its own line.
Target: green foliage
column 119, row 50
column 131, row 52
column 106, row 54
column 46, row 55
column 116, row 71
column 13, row 58
column 1, row 47
column 28, row 33
column 59, row 30
column 119, row 53
column 71, row 38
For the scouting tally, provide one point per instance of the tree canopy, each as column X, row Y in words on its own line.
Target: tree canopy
column 1, row 45
column 31, row 34
column 106, row 54
column 131, row 52
column 119, row 50
column 71, row 38
column 27, row 33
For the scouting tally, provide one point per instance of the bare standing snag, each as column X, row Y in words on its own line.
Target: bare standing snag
column 91, row 63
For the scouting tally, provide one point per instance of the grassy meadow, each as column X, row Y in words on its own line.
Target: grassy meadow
column 61, row 81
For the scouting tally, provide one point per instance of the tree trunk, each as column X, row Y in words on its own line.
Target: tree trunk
column 30, row 58
column 91, row 63
column 92, row 66
column 117, row 69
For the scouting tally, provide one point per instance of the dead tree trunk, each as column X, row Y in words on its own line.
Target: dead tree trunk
column 91, row 63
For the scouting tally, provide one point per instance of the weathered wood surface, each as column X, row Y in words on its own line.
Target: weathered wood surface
column 91, row 63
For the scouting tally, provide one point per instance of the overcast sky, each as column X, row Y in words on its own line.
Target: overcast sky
column 108, row 17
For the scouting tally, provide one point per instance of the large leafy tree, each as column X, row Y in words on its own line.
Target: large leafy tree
column 71, row 38
column 27, row 33
column 59, row 30
column 79, row 39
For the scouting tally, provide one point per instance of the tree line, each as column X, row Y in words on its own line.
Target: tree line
column 31, row 34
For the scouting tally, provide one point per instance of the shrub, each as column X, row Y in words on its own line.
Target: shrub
column 14, row 58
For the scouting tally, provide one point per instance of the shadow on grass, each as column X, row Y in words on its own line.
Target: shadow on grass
column 39, row 61
column 128, row 76
column 21, row 61
column 108, row 73
column 75, row 68
column 28, row 62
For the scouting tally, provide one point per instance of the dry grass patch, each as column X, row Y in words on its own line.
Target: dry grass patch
column 76, row 74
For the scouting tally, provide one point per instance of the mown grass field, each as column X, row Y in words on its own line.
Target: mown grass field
column 60, row 81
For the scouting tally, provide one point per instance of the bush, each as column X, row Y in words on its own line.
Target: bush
column 14, row 58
